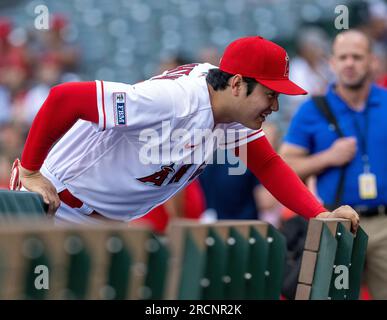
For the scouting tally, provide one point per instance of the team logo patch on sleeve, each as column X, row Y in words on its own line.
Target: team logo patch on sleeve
column 119, row 99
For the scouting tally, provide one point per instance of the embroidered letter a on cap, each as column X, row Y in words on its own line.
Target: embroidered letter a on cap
column 119, row 99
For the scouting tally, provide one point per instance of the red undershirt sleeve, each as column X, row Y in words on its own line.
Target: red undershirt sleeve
column 65, row 105
column 281, row 181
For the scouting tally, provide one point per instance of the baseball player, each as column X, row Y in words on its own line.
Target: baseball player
column 99, row 168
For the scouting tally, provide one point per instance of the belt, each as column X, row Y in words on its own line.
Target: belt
column 73, row 202
column 365, row 211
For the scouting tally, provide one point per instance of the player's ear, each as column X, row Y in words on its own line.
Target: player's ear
column 236, row 84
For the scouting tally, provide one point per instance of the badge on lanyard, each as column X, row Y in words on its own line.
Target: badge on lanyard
column 367, row 186
column 367, row 180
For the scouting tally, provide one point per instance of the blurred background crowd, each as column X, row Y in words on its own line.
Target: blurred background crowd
column 132, row 40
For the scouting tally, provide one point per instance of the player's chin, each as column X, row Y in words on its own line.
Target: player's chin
column 255, row 125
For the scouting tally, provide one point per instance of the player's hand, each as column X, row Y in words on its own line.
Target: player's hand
column 34, row 181
column 344, row 212
column 342, row 151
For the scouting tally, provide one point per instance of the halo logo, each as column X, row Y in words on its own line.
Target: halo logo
column 286, row 73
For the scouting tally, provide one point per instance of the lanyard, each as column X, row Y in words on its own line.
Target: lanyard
column 362, row 135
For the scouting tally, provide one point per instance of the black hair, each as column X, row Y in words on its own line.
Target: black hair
column 218, row 79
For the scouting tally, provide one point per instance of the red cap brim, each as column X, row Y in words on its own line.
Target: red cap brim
column 283, row 86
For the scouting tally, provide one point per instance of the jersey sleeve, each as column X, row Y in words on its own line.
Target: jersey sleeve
column 132, row 107
column 234, row 135
column 280, row 180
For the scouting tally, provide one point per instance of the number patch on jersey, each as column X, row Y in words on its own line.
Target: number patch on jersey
column 119, row 108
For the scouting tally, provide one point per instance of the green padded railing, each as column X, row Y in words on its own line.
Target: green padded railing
column 358, row 258
column 158, row 257
column 324, row 267
column 333, row 261
column 215, row 268
column 35, row 253
column 257, row 266
column 16, row 204
column 84, row 262
column 192, row 270
column 276, row 264
column 344, row 240
column 119, row 267
column 235, row 286
column 234, row 260
column 79, row 268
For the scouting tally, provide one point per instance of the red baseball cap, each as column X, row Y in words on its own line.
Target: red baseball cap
column 261, row 59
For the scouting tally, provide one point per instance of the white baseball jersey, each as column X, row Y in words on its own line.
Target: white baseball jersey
column 150, row 142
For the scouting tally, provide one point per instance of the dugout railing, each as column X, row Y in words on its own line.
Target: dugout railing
column 222, row 260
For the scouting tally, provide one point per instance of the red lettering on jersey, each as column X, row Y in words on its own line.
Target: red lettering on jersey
column 198, row 171
column 180, row 173
column 158, row 177
column 177, row 72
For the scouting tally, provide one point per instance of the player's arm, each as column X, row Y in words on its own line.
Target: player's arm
column 285, row 185
column 65, row 104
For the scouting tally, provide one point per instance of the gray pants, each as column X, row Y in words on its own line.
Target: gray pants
column 376, row 263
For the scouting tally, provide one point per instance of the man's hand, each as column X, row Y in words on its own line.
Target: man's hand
column 34, row 181
column 345, row 212
column 341, row 152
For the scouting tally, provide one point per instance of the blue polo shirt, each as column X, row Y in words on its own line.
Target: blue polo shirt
column 309, row 129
